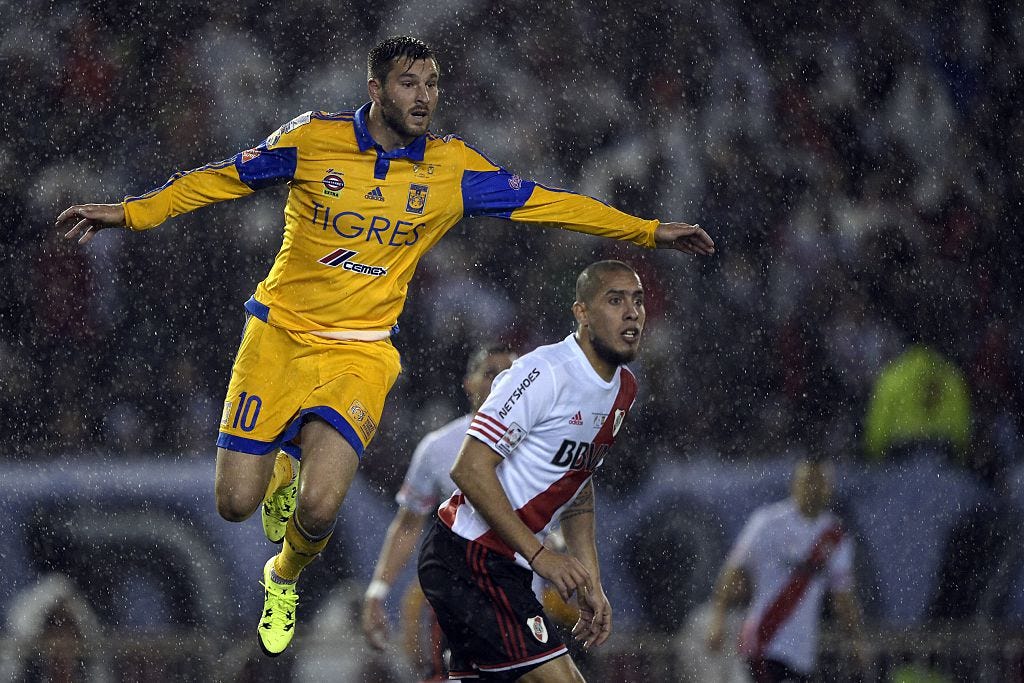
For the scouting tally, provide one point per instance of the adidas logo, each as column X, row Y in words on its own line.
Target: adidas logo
column 375, row 194
column 576, row 419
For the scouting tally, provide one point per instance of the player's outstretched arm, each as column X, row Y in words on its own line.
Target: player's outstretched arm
column 85, row 220
column 684, row 237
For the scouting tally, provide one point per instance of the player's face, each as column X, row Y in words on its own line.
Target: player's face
column 478, row 382
column 409, row 97
column 812, row 488
column 614, row 319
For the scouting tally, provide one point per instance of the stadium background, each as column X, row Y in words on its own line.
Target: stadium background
column 858, row 165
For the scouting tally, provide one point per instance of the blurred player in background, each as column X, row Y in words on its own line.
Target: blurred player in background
column 527, row 463
column 370, row 191
column 789, row 555
column 427, row 483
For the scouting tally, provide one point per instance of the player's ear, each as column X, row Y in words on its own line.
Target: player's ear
column 579, row 311
column 374, row 87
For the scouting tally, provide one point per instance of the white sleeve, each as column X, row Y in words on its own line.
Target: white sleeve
column 840, row 567
column 520, row 398
column 743, row 550
column 418, row 492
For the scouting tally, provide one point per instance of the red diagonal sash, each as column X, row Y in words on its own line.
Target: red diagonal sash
column 791, row 594
column 538, row 511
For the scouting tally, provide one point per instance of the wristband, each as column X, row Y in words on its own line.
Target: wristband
column 377, row 590
column 530, row 562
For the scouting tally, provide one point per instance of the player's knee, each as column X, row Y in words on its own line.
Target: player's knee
column 317, row 520
column 235, row 507
column 318, row 506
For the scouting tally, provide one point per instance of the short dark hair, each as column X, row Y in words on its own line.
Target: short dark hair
column 589, row 280
column 482, row 353
column 378, row 62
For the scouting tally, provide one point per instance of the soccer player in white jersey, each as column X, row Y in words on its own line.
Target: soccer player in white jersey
column 427, row 482
column 527, row 464
column 789, row 554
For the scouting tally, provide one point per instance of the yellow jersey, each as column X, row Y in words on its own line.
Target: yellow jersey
column 358, row 218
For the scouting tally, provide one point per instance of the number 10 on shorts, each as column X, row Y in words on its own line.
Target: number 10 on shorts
column 246, row 414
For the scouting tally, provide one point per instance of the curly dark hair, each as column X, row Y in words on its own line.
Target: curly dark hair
column 378, row 62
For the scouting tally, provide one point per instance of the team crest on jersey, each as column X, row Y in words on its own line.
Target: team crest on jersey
column 515, row 182
column 333, row 183
column 620, row 415
column 417, row 198
column 538, row 629
column 510, row 439
column 249, row 154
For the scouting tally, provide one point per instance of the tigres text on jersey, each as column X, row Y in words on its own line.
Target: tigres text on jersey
column 358, row 219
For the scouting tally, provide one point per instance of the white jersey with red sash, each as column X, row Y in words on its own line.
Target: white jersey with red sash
column 791, row 561
column 553, row 419
column 427, row 481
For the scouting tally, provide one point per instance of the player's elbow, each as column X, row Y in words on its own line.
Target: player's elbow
column 466, row 474
column 458, row 474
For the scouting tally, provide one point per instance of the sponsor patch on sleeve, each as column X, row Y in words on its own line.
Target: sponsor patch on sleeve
column 299, row 120
column 510, row 439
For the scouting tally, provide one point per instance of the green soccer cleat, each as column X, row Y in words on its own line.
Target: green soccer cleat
column 277, row 625
column 279, row 508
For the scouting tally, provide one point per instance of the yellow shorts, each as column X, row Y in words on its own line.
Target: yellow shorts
column 280, row 377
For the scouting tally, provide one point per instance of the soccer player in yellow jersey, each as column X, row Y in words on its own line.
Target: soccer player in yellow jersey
column 370, row 191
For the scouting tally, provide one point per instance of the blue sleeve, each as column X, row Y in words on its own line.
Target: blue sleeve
column 261, row 167
column 494, row 193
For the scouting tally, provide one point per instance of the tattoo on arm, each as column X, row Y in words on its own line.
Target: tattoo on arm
column 583, row 505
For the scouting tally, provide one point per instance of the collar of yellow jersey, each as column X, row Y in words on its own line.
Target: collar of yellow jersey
column 414, row 150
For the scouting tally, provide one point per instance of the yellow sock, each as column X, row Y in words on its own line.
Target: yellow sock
column 283, row 473
column 298, row 550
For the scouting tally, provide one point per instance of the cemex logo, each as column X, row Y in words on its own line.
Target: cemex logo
column 343, row 258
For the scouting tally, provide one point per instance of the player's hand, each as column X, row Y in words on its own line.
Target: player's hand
column 564, row 572
column 85, row 220
column 683, row 237
column 595, row 624
column 374, row 622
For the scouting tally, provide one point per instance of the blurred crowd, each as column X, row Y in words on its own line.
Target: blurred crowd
column 858, row 165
